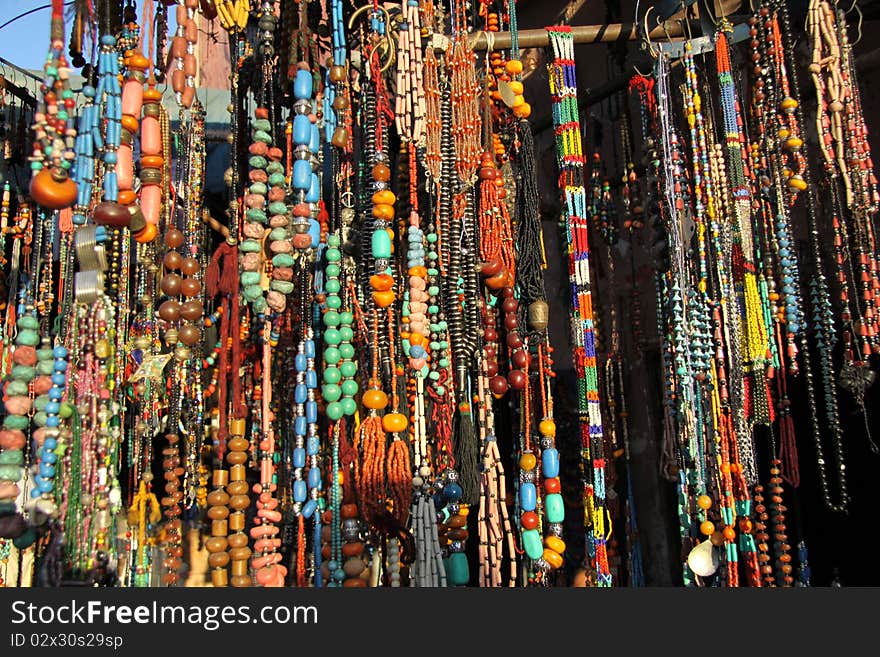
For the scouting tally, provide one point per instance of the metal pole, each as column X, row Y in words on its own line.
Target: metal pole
column 581, row 34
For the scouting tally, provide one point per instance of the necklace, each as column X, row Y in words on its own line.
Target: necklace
column 54, row 128
column 570, row 160
column 183, row 50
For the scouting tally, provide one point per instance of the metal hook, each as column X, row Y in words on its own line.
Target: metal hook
column 710, row 13
column 651, row 50
column 636, row 69
column 855, row 6
column 392, row 53
column 686, row 26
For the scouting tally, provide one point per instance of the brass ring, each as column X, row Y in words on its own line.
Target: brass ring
column 360, row 10
column 391, row 53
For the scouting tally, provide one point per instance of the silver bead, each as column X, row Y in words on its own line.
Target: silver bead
column 350, row 529
column 542, row 565
column 302, row 106
column 554, row 529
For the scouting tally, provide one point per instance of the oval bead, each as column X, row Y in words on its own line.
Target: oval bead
column 555, row 543
column 309, row 509
column 531, row 539
column 300, row 491
column 302, row 175
column 312, row 379
column 550, row 463
column 528, row 496
column 10, row 472
column 302, row 129
column 554, row 507
column 16, row 388
column 302, row 85
column 553, row 558
column 313, row 193
column 457, row 569
column 381, row 244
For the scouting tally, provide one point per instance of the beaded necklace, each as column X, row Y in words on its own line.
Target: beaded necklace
column 570, row 159
column 54, row 126
column 684, row 364
column 409, row 90
column 848, row 164
column 183, row 50
column 822, row 321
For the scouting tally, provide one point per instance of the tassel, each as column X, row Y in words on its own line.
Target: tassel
column 225, row 282
column 466, row 456
column 65, row 220
column 370, row 471
column 399, row 479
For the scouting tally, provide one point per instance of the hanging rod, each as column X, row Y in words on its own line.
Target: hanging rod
column 581, row 34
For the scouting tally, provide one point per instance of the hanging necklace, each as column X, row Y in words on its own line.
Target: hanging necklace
column 183, row 50
column 821, row 316
column 570, row 159
column 54, row 130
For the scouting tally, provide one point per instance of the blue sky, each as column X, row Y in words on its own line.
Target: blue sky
column 26, row 41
